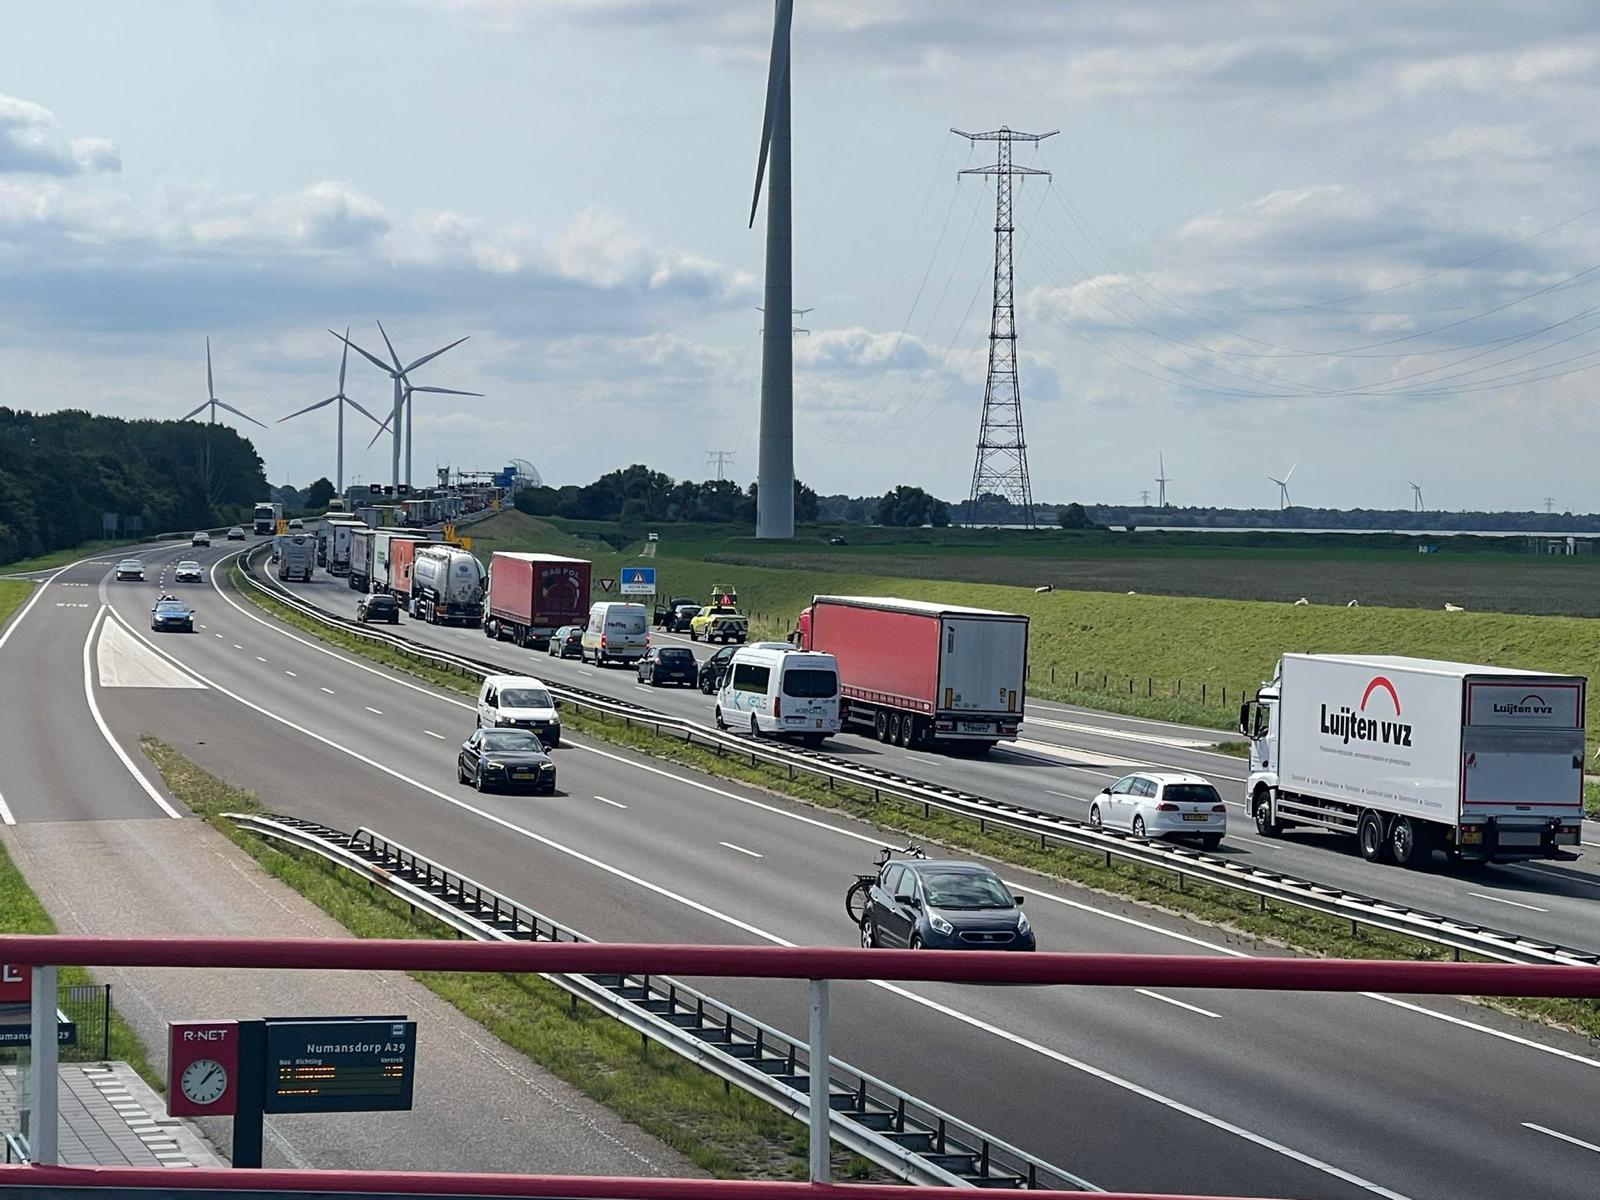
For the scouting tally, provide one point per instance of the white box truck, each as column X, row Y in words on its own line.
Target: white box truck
column 1412, row 755
column 297, row 555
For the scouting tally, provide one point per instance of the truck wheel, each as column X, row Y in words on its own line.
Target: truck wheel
column 1410, row 843
column 1370, row 836
column 1261, row 810
column 902, row 730
column 880, row 725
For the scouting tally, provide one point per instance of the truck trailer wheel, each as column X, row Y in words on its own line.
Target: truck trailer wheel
column 880, row 725
column 1372, row 837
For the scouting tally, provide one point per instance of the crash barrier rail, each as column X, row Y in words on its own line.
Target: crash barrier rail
column 890, row 1128
column 1269, row 886
column 817, row 965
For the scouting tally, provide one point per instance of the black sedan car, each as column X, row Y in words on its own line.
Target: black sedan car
column 669, row 664
column 378, row 606
column 714, row 668
column 505, row 760
column 944, row 906
column 567, row 642
column 171, row 614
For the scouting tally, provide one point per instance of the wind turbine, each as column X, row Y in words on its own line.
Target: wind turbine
column 406, row 403
column 1416, row 498
column 213, row 404
column 402, row 389
column 775, row 461
column 342, row 399
column 1161, row 481
column 1283, row 486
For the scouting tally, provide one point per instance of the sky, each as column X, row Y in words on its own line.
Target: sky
column 1361, row 241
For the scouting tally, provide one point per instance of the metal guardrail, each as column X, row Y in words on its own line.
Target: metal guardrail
column 874, row 1119
column 1457, row 935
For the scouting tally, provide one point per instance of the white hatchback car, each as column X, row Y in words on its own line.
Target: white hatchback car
column 1162, row 806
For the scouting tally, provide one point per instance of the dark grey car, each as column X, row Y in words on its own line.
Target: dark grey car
column 505, row 760
column 944, row 906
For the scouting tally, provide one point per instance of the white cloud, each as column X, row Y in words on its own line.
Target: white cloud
column 859, row 349
column 31, row 140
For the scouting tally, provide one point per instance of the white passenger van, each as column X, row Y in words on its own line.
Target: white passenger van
column 772, row 689
column 616, row 632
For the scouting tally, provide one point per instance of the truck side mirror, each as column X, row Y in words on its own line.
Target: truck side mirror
column 1244, row 719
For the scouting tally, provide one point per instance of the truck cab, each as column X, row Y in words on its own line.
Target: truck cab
column 1257, row 723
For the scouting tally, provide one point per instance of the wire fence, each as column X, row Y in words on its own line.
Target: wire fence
column 1206, row 693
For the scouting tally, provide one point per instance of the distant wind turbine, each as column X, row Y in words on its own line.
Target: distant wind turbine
column 1161, row 481
column 342, row 399
column 1283, row 486
column 213, row 404
column 402, row 391
column 1416, row 498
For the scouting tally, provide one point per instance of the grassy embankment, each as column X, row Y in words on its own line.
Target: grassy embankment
column 1235, row 912
column 1153, row 652
column 723, row 1131
column 60, row 558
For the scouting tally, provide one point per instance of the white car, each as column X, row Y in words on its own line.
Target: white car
column 188, row 571
column 1161, row 805
column 130, row 568
column 519, row 702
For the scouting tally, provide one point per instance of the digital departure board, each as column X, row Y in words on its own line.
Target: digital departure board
column 340, row 1065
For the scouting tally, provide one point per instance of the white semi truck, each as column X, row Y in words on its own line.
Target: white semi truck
column 1412, row 755
column 297, row 556
column 446, row 586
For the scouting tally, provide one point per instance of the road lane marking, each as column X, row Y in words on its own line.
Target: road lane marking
column 5, row 813
column 741, row 850
column 1512, row 903
column 1066, row 795
column 1565, row 1137
column 613, row 803
column 105, row 730
column 217, row 635
column 291, row 674
column 236, row 646
column 432, row 734
column 260, row 659
column 1194, row 1008
column 330, row 691
column 5, row 634
column 375, row 711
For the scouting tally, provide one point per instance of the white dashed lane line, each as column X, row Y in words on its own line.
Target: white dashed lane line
column 1512, row 903
column 741, row 850
column 613, row 803
column 1194, row 1008
column 432, row 734
column 291, row 674
column 236, row 646
column 1563, row 1137
column 377, row 712
column 260, row 659
column 330, row 691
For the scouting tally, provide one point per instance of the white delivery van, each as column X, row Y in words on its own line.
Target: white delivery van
column 617, row 632
column 519, row 702
column 772, row 689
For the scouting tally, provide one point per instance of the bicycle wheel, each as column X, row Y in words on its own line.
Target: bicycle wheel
column 855, row 900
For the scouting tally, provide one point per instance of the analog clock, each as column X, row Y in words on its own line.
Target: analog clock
column 204, row 1081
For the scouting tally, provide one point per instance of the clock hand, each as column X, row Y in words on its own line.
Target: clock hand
column 208, row 1075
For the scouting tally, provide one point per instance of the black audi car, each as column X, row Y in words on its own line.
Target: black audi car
column 944, row 906
column 506, row 760
column 669, row 664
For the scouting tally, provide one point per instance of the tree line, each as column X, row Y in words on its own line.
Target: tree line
column 61, row 472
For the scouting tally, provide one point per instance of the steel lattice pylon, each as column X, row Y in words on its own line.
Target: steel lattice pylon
column 1001, row 467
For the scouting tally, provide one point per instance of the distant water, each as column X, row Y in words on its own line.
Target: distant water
column 1440, row 533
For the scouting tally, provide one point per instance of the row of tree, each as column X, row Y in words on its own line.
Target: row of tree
column 61, row 473
column 638, row 494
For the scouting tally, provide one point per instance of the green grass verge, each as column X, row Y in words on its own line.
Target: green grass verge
column 12, row 594
column 60, row 558
column 1228, row 909
column 723, row 1131
column 21, row 912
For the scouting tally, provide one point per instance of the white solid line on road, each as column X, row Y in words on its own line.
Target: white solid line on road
column 105, row 730
column 741, row 850
column 375, row 711
column 1512, row 903
column 5, row 634
column 5, row 813
column 1565, row 1137
column 613, row 803
column 330, row 691
column 291, row 674
column 1194, row 1008
column 432, row 734
column 260, row 659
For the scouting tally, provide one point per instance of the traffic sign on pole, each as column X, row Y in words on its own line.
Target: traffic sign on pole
column 607, row 584
column 638, row 581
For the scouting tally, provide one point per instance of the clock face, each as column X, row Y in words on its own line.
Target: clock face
column 204, row 1081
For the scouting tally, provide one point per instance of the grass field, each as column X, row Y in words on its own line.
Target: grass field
column 60, row 558
column 1143, row 653
column 13, row 592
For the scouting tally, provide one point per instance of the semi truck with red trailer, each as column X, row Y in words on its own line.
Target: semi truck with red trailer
column 380, row 559
column 924, row 675
column 533, row 595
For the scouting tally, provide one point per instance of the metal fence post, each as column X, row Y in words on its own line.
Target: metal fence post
column 820, row 1115
column 43, row 1078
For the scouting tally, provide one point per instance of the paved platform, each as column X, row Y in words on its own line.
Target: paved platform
column 109, row 1117
column 479, row 1105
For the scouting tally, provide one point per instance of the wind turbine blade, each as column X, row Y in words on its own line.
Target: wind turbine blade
column 435, row 354
column 237, row 413
column 777, row 68
column 194, row 412
column 398, row 368
column 373, row 359
column 381, row 424
column 1290, row 475
column 211, row 392
column 1279, row 482
column 444, row 391
column 307, row 408
column 382, row 429
column 344, row 357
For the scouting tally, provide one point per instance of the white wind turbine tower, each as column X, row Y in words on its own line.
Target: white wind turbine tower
column 342, row 400
column 1283, row 485
column 213, row 404
column 1161, row 482
column 1416, row 498
column 402, row 394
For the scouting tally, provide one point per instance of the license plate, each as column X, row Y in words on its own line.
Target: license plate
column 975, row 727
column 1196, row 816
column 1518, row 837
column 522, row 774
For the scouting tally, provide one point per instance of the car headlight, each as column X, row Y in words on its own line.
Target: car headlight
column 1022, row 924
column 940, row 925
column 495, row 766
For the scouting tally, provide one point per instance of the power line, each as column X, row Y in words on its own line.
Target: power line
column 721, row 460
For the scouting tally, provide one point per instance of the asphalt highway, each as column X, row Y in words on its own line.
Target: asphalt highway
column 1223, row 1092
column 1068, row 754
